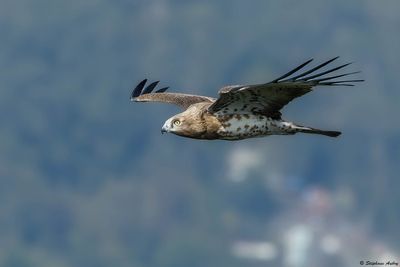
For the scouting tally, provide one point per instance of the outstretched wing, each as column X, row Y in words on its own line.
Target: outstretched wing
column 142, row 94
column 269, row 98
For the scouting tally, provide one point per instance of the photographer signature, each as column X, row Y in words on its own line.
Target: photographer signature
column 373, row 263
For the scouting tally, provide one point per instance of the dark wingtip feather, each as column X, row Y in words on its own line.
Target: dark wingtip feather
column 312, row 70
column 325, row 72
column 138, row 89
column 311, row 77
column 150, row 87
column 292, row 71
column 336, row 76
column 340, row 83
column 162, row 90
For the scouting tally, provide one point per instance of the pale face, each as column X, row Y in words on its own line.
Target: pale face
column 184, row 125
column 172, row 125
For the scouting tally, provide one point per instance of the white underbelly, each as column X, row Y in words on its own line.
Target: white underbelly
column 249, row 125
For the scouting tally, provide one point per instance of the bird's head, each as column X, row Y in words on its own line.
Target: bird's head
column 172, row 125
column 184, row 125
column 177, row 125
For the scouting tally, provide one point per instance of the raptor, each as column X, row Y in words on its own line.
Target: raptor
column 244, row 111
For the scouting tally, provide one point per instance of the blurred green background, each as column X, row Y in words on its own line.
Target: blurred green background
column 86, row 179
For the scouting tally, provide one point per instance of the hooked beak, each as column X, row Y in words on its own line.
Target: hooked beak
column 164, row 129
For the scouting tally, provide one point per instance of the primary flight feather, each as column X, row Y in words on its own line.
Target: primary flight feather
column 243, row 111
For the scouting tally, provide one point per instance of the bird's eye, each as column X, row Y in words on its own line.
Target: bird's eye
column 177, row 122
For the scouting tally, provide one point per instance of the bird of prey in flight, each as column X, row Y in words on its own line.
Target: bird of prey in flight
column 243, row 111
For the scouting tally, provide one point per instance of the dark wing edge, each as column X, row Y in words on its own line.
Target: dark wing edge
column 287, row 87
column 312, row 78
column 144, row 94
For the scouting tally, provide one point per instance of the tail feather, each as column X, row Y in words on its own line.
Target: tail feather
column 310, row 130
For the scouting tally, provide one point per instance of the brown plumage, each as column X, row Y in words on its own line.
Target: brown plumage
column 242, row 111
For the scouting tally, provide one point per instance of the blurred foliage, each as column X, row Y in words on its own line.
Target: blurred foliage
column 87, row 180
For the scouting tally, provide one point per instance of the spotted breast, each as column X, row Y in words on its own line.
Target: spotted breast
column 241, row 126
